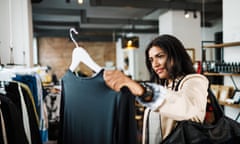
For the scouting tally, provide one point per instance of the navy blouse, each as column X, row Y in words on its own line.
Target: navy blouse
column 92, row 113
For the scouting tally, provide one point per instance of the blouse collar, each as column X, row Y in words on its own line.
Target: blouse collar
column 172, row 84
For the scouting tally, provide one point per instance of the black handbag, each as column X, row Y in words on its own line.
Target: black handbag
column 222, row 130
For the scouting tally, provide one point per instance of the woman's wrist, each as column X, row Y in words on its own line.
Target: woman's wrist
column 147, row 95
column 135, row 88
column 142, row 90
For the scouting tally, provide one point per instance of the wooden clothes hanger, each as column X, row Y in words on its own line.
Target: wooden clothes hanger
column 79, row 54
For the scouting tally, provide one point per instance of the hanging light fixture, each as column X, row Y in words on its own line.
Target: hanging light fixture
column 186, row 14
column 80, row 1
column 130, row 42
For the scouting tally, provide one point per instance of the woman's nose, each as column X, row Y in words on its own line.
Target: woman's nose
column 155, row 63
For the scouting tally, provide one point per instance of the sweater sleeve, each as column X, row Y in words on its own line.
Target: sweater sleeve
column 189, row 102
column 159, row 95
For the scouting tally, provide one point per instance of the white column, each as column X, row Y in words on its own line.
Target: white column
column 188, row 30
column 231, row 33
column 16, row 32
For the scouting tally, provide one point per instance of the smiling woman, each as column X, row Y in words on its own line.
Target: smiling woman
column 174, row 92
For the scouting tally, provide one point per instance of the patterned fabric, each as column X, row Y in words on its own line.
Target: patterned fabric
column 52, row 101
column 158, row 96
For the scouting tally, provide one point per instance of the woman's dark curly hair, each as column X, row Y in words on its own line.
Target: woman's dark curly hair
column 182, row 63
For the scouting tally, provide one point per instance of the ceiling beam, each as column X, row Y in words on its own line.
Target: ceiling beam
column 209, row 9
column 55, row 23
column 56, row 11
column 119, row 30
column 36, row 1
column 83, row 31
column 121, row 21
column 89, row 34
column 48, row 27
column 160, row 4
column 65, row 33
column 92, row 20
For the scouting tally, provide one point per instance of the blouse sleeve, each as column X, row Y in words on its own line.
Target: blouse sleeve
column 159, row 95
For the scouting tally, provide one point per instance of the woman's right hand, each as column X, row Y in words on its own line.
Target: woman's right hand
column 116, row 79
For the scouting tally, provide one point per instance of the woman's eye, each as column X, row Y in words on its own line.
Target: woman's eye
column 160, row 56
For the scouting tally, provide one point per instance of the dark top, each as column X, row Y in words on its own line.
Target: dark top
column 14, row 94
column 13, row 124
column 92, row 113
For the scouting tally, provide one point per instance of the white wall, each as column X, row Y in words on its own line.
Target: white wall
column 16, row 31
column 188, row 30
column 5, row 34
column 231, row 28
column 208, row 32
column 208, row 35
column 166, row 23
column 138, row 69
column 231, row 33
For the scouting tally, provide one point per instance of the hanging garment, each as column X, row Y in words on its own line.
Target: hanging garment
column 92, row 113
column 3, row 133
column 52, row 101
column 31, row 82
column 13, row 124
column 14, row 94
column 34, row 83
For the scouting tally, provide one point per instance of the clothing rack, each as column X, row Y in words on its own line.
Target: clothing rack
column 30, row 87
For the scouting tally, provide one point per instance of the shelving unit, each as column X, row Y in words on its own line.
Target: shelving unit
column 221, row 46
column 220, row 74
column 230, row 44
column 231, row 105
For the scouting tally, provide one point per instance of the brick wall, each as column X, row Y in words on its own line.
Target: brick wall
column 57, row 53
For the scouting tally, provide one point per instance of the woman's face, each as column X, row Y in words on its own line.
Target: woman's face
column 158, row 59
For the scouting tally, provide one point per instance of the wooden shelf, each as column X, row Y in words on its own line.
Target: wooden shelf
column 230, row 44
column 220, row 74
column 230, row 105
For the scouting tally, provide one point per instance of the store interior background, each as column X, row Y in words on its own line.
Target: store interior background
column 22, row 41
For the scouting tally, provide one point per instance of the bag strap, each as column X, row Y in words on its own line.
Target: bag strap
column 217, row 109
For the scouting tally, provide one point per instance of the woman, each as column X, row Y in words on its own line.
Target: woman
column 175, row 91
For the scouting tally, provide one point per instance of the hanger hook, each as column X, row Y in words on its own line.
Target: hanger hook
column 71, row 36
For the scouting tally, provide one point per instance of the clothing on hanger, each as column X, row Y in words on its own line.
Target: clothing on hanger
column 92, row 113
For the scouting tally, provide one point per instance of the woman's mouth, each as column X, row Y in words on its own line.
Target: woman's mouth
column 159, row 70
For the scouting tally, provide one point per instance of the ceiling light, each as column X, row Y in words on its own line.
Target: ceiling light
column 130, row 42
column 80, row 1
column 186, row 14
